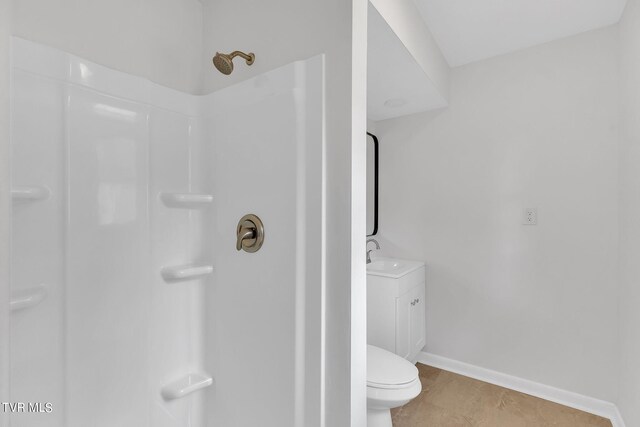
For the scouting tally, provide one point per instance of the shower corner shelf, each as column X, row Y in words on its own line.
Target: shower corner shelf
column 186, row 200
column 29, row 194
column 185, row 386
column 185, row 272
column 27, row 298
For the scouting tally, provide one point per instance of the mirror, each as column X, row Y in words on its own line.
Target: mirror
column 372, row 184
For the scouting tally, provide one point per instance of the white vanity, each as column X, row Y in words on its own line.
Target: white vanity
column 396, row 306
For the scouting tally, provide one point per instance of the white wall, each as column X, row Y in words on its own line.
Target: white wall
column 630, row 212
column 159, row 40
column 537, row 128
column 280, row 32
column 5, row 201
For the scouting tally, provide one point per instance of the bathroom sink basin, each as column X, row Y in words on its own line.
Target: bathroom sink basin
column 391, row 267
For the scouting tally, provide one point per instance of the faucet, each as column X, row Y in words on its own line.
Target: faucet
column 371, row 250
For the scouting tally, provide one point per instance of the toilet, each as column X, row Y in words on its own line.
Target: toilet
column 391, row 382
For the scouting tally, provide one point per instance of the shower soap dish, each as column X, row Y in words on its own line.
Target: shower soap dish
column 29, row 194
column 186, row 200
column 185, row 272
column 186, row 385
column 27, row 298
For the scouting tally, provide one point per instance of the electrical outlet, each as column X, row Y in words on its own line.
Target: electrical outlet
column 530, row 216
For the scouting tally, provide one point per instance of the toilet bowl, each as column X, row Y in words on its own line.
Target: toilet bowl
column 391, row 382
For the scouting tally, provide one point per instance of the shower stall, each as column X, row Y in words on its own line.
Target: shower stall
column 128, row 290
column 180, row 238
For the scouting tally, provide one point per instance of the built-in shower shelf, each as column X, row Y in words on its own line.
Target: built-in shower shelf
column 185, row 386
column 27, row 298
column 186, row 200
column 29, row 194
column 185, row 272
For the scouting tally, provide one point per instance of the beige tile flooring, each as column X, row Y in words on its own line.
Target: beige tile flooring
column 451, row 400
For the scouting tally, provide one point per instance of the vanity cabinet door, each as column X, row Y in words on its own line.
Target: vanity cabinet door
column 410, row 323
column 417, row 336
column 403, row 324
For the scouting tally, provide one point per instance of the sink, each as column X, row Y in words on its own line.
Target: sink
column 391, row 267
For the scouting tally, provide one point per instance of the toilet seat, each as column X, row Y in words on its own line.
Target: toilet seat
column 386, row 370
column 392, row 386
column 386, row 398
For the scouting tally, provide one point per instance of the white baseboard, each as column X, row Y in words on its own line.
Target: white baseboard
column 616, row 417
column 563, row 397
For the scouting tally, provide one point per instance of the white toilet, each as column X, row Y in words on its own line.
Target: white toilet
column 391, row 382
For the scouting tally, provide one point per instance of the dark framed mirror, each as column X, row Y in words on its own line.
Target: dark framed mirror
column 372, row 184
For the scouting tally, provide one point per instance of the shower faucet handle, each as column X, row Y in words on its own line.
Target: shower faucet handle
column 250, row 233
column 246, row 233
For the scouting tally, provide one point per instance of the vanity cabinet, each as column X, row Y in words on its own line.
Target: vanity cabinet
column 396, row 306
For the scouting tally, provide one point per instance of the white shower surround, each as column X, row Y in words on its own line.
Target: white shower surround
column 111, row 331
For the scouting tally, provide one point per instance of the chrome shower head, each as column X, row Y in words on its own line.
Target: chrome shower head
column 224, row 62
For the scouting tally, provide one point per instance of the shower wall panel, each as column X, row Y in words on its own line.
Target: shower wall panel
column 38, row 244
column 265, row 331
column 107, row 288
column 104, row 333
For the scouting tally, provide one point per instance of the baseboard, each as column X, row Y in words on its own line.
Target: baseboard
column 563, row 397
column 616, row 418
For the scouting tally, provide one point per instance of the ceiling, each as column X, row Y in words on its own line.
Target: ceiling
column 396, row 84
column 471, row 30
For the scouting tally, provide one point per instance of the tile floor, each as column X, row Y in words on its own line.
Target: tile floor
column 451, row 400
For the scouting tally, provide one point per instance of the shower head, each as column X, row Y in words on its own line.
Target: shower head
column 224, row 62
